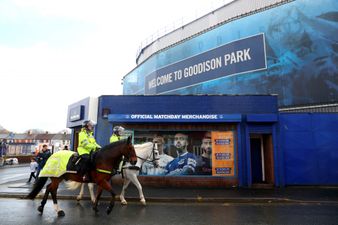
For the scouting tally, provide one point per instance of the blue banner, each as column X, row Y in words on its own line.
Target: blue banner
column 174, row 117
column 241, row 56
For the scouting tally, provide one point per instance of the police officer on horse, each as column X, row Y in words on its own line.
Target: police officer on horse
column 87, row 145
column 118, row 131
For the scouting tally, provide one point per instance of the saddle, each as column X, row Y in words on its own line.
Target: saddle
column 74, row 163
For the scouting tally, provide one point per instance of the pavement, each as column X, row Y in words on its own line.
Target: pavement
column 290, row 194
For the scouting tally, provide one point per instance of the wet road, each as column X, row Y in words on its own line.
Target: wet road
column 9, row 174
column 16, row 211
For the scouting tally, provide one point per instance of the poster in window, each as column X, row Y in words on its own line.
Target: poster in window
column 222, row 153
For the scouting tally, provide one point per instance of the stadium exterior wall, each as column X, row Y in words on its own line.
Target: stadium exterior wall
column 300, row 50
column 298, row 148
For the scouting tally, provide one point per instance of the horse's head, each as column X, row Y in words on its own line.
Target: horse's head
column 148, row 152
column 129, row 152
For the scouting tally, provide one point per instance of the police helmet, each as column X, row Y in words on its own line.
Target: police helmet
column 118, row 129
column 88, row 122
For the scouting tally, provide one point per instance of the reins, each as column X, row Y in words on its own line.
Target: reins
column 111, row 172
column 144, row 159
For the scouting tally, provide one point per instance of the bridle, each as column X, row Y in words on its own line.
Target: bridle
column 152, row 157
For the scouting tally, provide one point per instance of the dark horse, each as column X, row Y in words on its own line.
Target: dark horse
column 105, row 161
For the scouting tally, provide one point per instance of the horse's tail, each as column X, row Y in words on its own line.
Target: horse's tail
column 72, row 185
column 37, row 187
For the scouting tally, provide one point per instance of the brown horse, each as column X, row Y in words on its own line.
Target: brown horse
column 105, row 161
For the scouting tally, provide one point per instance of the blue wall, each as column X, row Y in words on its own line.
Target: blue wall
column 175, row 104
column 261, row 109
column 305, row 145
column 301, row 46
column 310, row 148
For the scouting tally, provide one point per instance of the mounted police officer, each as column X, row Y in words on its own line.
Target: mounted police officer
column 118, row 131
column 87, row 145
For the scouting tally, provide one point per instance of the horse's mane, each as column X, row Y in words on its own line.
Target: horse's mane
column 114, row 144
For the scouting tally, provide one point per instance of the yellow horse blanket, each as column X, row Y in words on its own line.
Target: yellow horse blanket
column 56, row 164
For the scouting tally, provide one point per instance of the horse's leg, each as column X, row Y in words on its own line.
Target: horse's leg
column 106, row 185
column 79, row 197
column 53, row 191
column 91, row 191
column 136, row 182
column 45, row 198
column 97, row 198
column 126, row 182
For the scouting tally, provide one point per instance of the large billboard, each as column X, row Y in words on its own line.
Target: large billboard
column 240, row 56
column 301, row 53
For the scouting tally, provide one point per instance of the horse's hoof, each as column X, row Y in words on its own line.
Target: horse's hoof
column 40, row 209
column 95, row 209
column 109, row 209
column 61, row 213
column 143, row 202
column 124, row 202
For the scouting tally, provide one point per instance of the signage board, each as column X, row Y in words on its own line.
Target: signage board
column 240, row 56
column 76, row 113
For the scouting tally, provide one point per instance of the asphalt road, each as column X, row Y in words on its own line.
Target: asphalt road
column 13, row 173
column 15, row 211
column 18, row 211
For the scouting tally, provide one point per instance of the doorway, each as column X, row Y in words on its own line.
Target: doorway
column 76, row 138
column 261, row 155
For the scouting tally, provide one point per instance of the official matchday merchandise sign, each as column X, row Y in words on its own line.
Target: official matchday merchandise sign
column 174, row 117
column 222, row 153
column 240, row 56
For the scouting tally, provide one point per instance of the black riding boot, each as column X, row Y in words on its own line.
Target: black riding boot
column 85, row 167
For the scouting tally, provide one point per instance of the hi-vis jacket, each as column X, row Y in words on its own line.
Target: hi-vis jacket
column 114, row 138
column 87, row 142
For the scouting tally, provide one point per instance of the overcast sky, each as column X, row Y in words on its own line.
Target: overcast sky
column 55, row 53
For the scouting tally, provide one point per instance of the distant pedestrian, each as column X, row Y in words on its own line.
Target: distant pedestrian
column 42, row 157
column 33, row 168
column 3, row 147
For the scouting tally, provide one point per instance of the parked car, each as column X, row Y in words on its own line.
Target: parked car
column 11, row 161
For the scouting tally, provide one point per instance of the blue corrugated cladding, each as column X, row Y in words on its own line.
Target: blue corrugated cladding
column 220, row 104
column 310, row 145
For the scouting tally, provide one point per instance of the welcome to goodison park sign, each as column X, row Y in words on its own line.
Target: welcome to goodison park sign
column 240, row 56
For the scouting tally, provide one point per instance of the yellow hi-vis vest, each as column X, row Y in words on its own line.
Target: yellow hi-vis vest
column 87, row 142
column 114, row 138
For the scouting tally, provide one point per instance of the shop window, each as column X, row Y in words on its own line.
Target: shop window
column 207, row 153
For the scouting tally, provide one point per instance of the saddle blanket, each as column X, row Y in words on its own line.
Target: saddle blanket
column 56, row 164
